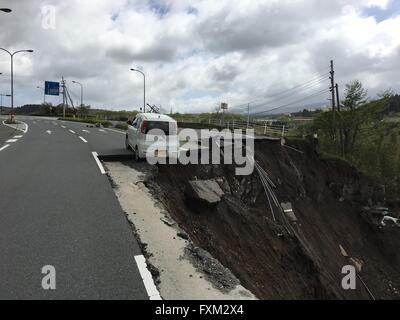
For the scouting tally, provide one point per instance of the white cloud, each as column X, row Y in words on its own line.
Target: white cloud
column 197, row 53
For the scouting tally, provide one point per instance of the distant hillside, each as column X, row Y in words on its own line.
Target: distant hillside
column 28, row 109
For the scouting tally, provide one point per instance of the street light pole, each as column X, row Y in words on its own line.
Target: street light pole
column 12, row 75
column 44, row 94
column 81, row 91
column 144, row 88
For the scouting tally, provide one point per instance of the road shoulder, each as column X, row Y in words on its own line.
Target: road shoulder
column 165, row 246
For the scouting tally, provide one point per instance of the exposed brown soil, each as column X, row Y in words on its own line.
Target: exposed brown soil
column 241, row 234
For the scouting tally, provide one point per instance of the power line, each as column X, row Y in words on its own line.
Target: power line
column 300, row 86
column 292, row 103
column 305, row 88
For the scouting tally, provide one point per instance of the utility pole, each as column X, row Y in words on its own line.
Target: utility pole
column 332, row 89
column 248, row 115
column 340, row 123
column 337, row 97
column 63, row 92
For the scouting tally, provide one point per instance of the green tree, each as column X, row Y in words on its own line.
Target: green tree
column 355, row 95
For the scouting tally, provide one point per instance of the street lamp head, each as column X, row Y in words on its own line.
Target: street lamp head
column 30, row 50
column 6, row 10
column 133, row 69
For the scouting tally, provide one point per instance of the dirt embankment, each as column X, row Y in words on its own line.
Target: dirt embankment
column 326, row 195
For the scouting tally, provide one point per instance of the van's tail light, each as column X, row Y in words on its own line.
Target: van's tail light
column 143, row 126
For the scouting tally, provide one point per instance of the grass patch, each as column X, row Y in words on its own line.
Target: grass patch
column 122, row 126
column 9, row 121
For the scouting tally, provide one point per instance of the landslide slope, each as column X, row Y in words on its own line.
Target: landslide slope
column 303, row 261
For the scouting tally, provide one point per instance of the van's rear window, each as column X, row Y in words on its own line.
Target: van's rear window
column 169, row 128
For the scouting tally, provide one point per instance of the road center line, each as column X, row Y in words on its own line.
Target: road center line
column 11, row 140
column 6, row 146
column 147, row 278
column 63, row 127
column 18, row 137
column 71, row 131
column 82, row 139
column 98, row 163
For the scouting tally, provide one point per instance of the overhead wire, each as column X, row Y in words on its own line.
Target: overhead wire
column 300, row 87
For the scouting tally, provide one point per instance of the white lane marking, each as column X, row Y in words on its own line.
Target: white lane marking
column 118, row 131
column 34, row 121
column 101, row 130
column 55, row 123
column 18, row 137
column 16, row 128
column 82, row 139
column 26, row 127
column 87, row 131
column 63, row 127
column 48, row 131
column 72, row 131
column 98, row 163
column 11, row 140
column 148, row 281
column 6, row 146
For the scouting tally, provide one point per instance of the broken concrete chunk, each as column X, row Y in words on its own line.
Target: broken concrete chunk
column 288, row 210
column 343, row 251
column 207, row 192
column 167, row 221
column 390, row 219
column 357, row 263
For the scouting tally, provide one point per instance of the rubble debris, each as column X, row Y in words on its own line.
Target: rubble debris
column 168, row 221
column 389, row 219
column 204, row 192
column 183, row 235
column 343, row 251
column 357, row 263
column 240, row 232
column 375, row 214
column 220, row 276
column 288, row 210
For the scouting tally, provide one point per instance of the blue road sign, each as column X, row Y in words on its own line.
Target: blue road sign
column 52, row 88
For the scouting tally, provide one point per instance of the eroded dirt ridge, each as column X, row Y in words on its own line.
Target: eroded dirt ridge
column 330, row 217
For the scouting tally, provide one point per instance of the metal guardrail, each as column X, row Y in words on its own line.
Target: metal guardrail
column 260, row 127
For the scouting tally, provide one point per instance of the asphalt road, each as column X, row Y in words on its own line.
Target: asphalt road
column 58, row 209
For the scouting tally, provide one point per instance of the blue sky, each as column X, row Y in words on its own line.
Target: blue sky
column 380, row 14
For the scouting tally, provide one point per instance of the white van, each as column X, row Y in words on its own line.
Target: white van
column 152, row 133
